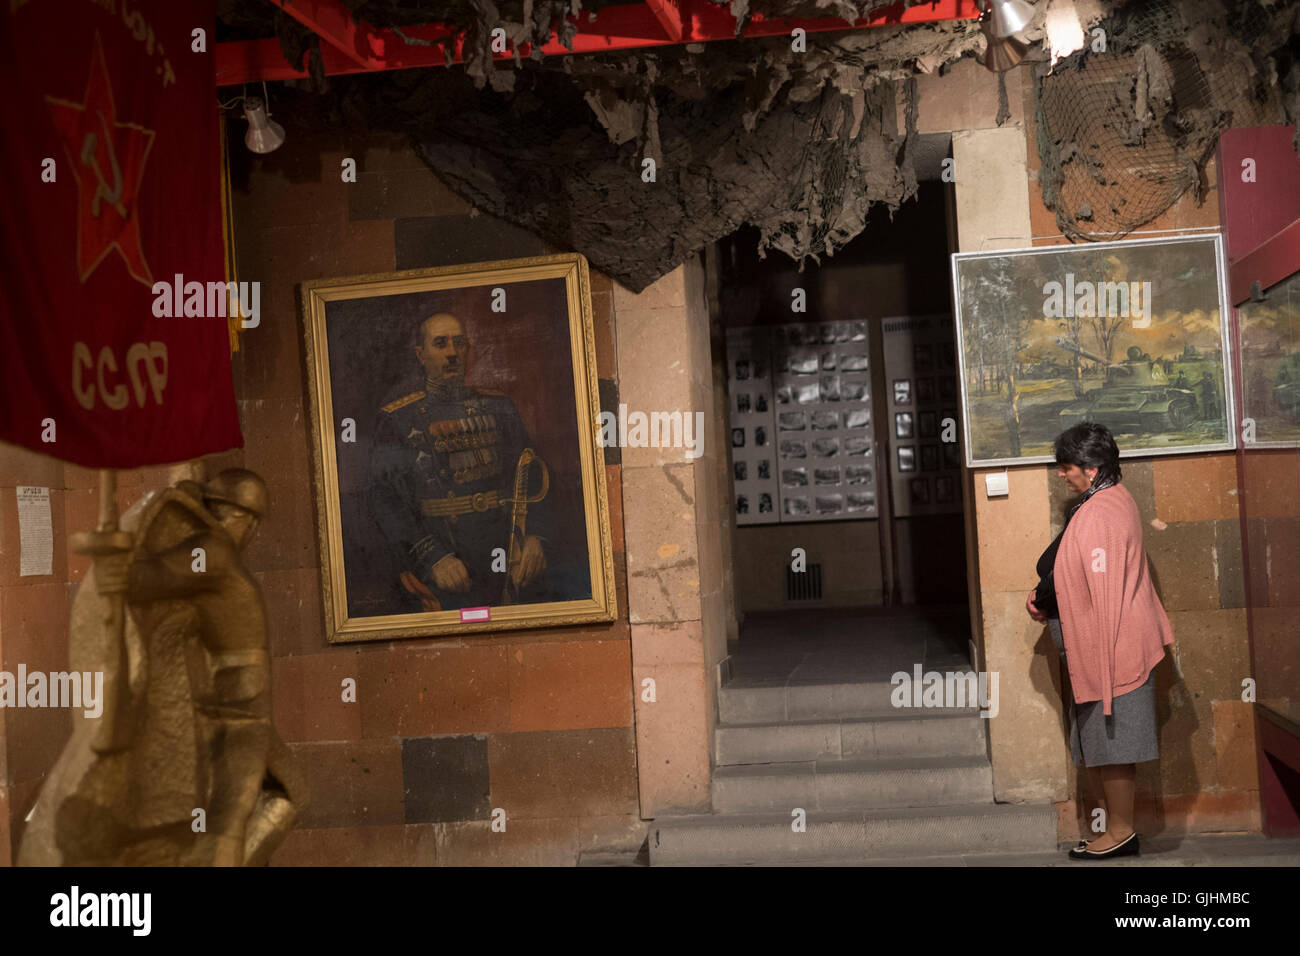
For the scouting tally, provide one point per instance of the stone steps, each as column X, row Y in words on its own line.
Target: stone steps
column 759, row 702
column 842, row 784
column 849, row 836
column 903, row 733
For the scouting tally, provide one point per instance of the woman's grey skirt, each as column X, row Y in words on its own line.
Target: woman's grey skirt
column 1128, row 735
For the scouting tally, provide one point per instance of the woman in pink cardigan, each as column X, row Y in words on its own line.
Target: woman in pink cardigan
column 1095, row 593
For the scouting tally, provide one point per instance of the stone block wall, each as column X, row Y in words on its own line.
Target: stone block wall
column 1205, row 779
column 34, row 613
column 538, row 723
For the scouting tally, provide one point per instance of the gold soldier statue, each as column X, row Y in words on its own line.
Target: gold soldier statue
column 183, row 766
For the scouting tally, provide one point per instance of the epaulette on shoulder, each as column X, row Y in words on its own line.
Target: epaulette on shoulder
column 403, row 401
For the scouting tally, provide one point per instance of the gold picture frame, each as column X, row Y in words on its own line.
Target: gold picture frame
column 356, row 333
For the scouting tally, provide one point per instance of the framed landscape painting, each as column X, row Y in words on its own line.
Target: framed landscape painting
column 460, row 481
column 1131, row 335
column 1269, row 331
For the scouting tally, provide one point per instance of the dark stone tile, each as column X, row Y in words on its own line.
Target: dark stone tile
column 393, row 193
column 445, row 779
column 448, row 240
column 1182, row 567
column 609, row 403
column 1139, row 479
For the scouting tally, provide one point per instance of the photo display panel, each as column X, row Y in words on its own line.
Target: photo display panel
column 921, row 384
column 755, row 495
column 824, row 431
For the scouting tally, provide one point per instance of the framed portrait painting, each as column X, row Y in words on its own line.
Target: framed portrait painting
column 1132, row 335
column 460, row 481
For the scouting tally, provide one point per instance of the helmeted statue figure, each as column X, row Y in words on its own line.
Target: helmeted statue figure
column 183, row 766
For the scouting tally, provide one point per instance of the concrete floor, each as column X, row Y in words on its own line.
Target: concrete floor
column 1231, row 849
column 861, row 644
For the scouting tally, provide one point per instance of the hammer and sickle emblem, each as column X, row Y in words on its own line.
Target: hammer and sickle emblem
column 102, row 190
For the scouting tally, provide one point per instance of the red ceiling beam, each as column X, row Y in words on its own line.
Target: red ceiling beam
column 356, row 40
column 669, row 13
column 353, row 47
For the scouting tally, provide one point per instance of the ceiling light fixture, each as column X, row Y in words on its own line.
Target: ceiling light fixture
column 1008, row 16
column 1000, row 22
column 264, row 134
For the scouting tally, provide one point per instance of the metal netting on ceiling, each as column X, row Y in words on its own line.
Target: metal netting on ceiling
column 1125, row 132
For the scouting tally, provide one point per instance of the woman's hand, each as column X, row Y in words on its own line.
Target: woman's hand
column 1032, row 608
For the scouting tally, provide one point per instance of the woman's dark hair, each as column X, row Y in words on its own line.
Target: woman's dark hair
column 1089, row 445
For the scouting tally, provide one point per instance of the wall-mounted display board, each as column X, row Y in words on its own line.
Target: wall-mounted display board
column 753, row 447
column 921, row 388
column 1132, row 335
column 801, row 423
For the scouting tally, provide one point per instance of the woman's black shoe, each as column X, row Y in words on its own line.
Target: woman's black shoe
column 1128, row 847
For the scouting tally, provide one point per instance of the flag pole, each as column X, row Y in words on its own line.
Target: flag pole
column 114, row 732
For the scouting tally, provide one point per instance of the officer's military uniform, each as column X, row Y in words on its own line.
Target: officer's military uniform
column 442, row 476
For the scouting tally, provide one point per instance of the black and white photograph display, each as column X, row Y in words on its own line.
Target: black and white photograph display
column 823, row 414
column 753, row 463
column 920, row 364
column 802, row 431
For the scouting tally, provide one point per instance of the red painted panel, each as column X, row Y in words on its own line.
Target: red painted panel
column 1252, row 212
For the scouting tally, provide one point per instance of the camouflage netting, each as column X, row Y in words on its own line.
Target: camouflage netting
column 799, row 144
column 1124, row 133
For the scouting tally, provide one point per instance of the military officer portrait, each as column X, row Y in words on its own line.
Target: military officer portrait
column 461, row 486
column 454, row 477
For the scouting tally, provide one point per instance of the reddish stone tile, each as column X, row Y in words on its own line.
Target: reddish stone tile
column 422, row 691
column 6, row 855
column 345, row 846
column 602, row 313
column 275, row 436
column 599, row 281
column 1277, row 652
column 293, row 611
column 1233, row 811
column 36, row 737
column 1196, row 487
column 1234, row 745
column 570, row 686
column 34, row 626
column 614, row 482
column 353, row 783
column 620, row 593
column 34, row 632
column 1272, row 482
column 269, row 363
column 308, row 696
column 565, row 773
column 672, row 739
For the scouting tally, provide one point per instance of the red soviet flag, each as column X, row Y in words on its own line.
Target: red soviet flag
column 111, row 167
